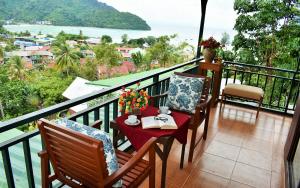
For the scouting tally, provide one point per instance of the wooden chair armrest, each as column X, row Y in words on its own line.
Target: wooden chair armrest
column 97, row 124
column 148, row 147
column 43, row 154
column 204, row 104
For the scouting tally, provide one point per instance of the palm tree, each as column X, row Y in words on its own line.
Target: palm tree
column 66, row 57
column 16, row 68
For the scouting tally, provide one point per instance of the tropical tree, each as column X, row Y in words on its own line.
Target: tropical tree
column 138, row 59
column 16, row 69
column 124, row 38
column 225, row 40
column 269, row 30
column 66, row 57
column 1, row 54
column 106, row 54
column 106, row 39
column 166, row 53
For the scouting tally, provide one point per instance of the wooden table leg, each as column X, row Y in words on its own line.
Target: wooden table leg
column 182, row 156
column 163, row 154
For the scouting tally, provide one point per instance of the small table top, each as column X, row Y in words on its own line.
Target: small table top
column 139, row 136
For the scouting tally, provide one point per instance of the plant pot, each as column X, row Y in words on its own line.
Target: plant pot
column 209, row 54
column 136, row 111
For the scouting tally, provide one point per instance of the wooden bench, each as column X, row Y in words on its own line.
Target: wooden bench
column 243, row 91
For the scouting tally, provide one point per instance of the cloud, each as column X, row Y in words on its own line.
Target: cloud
column 182, row 16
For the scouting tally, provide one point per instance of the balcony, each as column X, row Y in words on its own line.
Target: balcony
column 239, row 151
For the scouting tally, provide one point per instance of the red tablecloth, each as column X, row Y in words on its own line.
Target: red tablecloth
column 139, row 136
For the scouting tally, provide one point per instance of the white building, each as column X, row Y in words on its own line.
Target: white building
column 79, row 88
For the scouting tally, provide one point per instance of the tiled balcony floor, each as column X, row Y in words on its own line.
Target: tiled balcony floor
column 239, row 152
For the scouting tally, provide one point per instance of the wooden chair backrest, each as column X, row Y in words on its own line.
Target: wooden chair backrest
column 74, row 156
column 206, row 85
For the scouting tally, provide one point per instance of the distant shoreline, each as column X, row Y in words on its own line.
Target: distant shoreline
column 27, row 24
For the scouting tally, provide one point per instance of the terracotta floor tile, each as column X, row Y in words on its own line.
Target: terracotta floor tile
column 259, row 158
column 229, row 138
column 252, row 176
column 215, row 165
column 277, row 180
column 258, row 145
column 277, row 163
column 234, row 184
column 200, row 179
column 260, row 134
column 223, row 150
column 255, row 158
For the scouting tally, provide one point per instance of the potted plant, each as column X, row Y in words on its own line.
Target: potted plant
column 133, row 101
column 209, row 49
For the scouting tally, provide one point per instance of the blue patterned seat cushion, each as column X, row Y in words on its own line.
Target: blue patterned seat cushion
column 109, row 152
column 184, row 92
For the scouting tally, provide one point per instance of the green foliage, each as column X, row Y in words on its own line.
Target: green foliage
column 48, row 86
column 62, row 37
column 166, row 53
column 137, row 42
column 106, row 39
column 88, row 70
column 268, row 32
column 225, row 40
column 124, row 38
column 1, row 53
column 89, row 13
column 106, row 54
column 14, row 97
column 16, row 68
column 138, row 59
column 66, row 57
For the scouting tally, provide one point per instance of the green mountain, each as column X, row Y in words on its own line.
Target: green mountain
column 90, row 13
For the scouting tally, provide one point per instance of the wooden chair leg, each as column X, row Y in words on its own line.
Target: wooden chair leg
column 206, row 123
column 192, row 146
column 222, row 98
column 182, row 156
column 44, row 169
column 152, row 171
column 259, row 105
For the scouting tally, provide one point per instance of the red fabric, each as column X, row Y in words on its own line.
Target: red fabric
column 139, row 136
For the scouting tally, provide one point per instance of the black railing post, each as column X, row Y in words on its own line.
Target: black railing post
column 292, row 86
column 203, row 12
column 7, row 168
column 28, row 162
column 156, row 88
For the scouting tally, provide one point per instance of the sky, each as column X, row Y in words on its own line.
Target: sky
column 220, row 16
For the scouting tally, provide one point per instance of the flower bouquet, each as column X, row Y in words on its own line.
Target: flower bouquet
column 133, row 101
column 209, row 52
column 210, row 43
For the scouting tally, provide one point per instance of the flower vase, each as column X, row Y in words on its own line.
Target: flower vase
column 136, row 111
column 209, row 54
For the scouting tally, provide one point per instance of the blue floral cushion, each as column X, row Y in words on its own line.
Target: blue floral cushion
column 109, row 152
column 184, row 92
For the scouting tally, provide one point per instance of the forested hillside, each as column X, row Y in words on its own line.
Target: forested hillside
column 90, row 13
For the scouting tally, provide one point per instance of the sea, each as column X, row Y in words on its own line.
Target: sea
column 185, row 33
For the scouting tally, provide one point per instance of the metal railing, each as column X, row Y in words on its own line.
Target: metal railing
column 281, row 91
column 281, row 86
column 107, row 110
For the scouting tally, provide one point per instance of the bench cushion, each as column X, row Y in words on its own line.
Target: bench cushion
column 244, row 91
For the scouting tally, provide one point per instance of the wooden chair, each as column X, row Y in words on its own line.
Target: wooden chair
column 201, row 112
column 78, row 160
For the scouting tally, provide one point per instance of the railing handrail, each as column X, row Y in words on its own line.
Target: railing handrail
column 260, row 66
column 27, row 118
